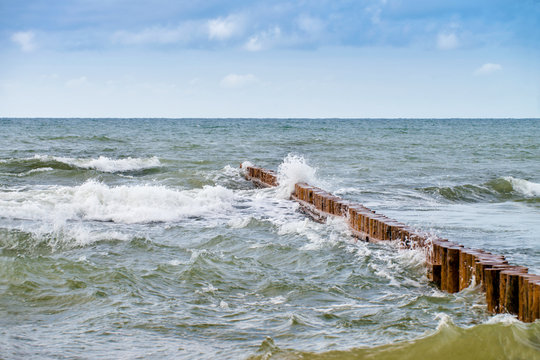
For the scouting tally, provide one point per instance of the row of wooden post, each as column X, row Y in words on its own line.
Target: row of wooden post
column 452, row 267
column 509, row 288
column 262, row 177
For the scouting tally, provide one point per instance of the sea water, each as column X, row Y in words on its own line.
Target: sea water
column 140, row 238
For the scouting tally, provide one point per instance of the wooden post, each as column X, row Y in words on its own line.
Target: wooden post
column 531, row 316
column 452, row 272
column 486, row 261
column 511, row 292
column 444, row 266
column 524, row 305
column 450, row 266
column 437, row 274
column 535, row 306
column 492, row 285
column 353, row 217
column 463, row 265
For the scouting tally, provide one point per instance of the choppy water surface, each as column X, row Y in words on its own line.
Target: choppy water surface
column 140, row 238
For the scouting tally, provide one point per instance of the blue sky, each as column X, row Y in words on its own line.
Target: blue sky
column 373, row 58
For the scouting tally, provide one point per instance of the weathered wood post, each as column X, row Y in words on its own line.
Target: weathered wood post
column 452, row 264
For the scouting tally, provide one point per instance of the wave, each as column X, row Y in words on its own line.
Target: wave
column 102, row 163
column 499, row 339
column 500, row 189
column 527, row 188
column 44, row 239
column 95, row 201
column 292, row 170
column 106, row 164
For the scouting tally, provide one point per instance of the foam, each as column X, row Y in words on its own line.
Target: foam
column 277, row 300
column 33, row 171
column 239, row 222
column 223, row 305
column 95, row 201
column 106, row 164
column 527, row 188
column 292, row 170
column 245, row 165
column 58, row 237
column 445, row 322
column 231, row 171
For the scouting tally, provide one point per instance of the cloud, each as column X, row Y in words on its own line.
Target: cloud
column 186, row 33
column 309, row 24
column 254, row 44
column 263, row 39
column 158, row 35
column 224, row 28
column 447, row 41
column 488, row 68
column 235, row 81
column 25, row 39
column 77, row 82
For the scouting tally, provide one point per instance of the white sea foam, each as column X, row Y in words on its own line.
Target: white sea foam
column 505, row 319
column 209, row 288
column 121, row 204
column 73, row 235
column 444, row 321
column 231, row 171
column 277, row 300
column 318, row 235
column 239, row 222
column 223, row 305
column 527, row 188
column 245, row 165
column 33, row 171
column 106, row 164
column 292, row 170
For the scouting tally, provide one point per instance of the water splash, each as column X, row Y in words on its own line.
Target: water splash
column 527, row 188
column 292, row 170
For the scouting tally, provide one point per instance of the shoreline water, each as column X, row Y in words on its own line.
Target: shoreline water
column 121, row 236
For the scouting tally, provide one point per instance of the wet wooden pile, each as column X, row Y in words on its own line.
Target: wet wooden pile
column 451, row 267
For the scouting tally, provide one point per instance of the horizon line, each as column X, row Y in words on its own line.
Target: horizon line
column 261, row 118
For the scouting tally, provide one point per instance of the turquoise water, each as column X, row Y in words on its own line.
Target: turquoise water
column 139, row 238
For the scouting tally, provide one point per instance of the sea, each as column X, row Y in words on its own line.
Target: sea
column 141, row 238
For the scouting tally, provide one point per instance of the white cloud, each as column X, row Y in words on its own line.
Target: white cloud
column 224, row 28
column 263, row 40
column 77, row 82
column 25, row 39
column 254, row 44
column 53, row 76
column 488, row 68
column 156, row 35
column 185, row 33
column 235, row 81
column 310, row 24
column 447, row 41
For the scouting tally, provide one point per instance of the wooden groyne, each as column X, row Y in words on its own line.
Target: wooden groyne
column 450, row 266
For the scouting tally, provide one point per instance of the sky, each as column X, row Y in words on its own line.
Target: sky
column 285, row 59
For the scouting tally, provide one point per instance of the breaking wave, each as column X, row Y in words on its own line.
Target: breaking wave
column 292, row 170
column 102, row 163
column 501, row 339
column 95, row 201
column 500, row 189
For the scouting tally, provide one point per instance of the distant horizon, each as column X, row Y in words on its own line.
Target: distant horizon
column 265, row 118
